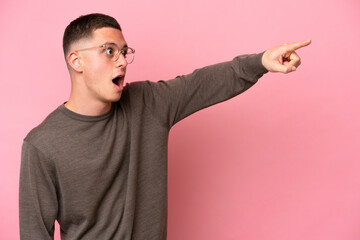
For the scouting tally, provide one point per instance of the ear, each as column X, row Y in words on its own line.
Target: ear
column 74, row 61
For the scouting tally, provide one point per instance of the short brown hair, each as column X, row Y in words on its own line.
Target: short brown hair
column 83, row 27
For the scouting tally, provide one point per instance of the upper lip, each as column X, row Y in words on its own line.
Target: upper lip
column 120, row 75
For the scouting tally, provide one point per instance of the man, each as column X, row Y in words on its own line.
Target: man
column 98, row 163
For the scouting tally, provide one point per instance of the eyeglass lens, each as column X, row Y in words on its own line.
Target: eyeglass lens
column 128, row 54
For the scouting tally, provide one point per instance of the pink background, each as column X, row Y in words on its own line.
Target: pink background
column 279, row 162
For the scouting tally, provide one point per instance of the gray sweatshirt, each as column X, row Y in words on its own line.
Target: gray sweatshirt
column 105, row 177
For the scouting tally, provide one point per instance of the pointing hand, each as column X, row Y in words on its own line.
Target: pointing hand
column 283, row 58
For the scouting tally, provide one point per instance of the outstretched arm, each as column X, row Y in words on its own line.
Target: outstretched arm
column 170, row 101
column 283, row 58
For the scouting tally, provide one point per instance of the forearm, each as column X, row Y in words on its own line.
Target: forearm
column 220, row 82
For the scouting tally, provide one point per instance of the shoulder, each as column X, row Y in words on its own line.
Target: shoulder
column 137, row 86
column 43, row 132
column 136, row 92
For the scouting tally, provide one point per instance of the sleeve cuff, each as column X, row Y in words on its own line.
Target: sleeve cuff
column 252, row 65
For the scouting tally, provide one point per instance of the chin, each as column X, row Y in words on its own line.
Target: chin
column 116, row 98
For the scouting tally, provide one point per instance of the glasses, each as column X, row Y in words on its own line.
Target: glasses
column 112, row 52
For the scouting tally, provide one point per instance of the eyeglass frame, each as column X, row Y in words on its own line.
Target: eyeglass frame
column 121, row 51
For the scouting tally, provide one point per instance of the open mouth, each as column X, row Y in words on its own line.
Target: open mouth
column 117, row 80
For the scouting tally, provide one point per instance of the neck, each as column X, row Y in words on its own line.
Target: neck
column 82, row 102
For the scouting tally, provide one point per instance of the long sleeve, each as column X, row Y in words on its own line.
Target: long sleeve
column 104, row 177
column 38, row 205
column 173, row 100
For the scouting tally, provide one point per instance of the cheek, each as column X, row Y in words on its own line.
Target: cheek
column 97, row 69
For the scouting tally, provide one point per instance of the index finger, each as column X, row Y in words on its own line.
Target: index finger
column 297, row 45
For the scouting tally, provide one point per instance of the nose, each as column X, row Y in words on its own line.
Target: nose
column 121, row 61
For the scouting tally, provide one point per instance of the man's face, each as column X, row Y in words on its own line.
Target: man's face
column 103, row 77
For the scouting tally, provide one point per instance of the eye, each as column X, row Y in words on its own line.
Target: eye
column 109, row 51
column 124, row 52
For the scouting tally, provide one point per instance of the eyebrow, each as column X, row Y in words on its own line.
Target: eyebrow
column 112, row 43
